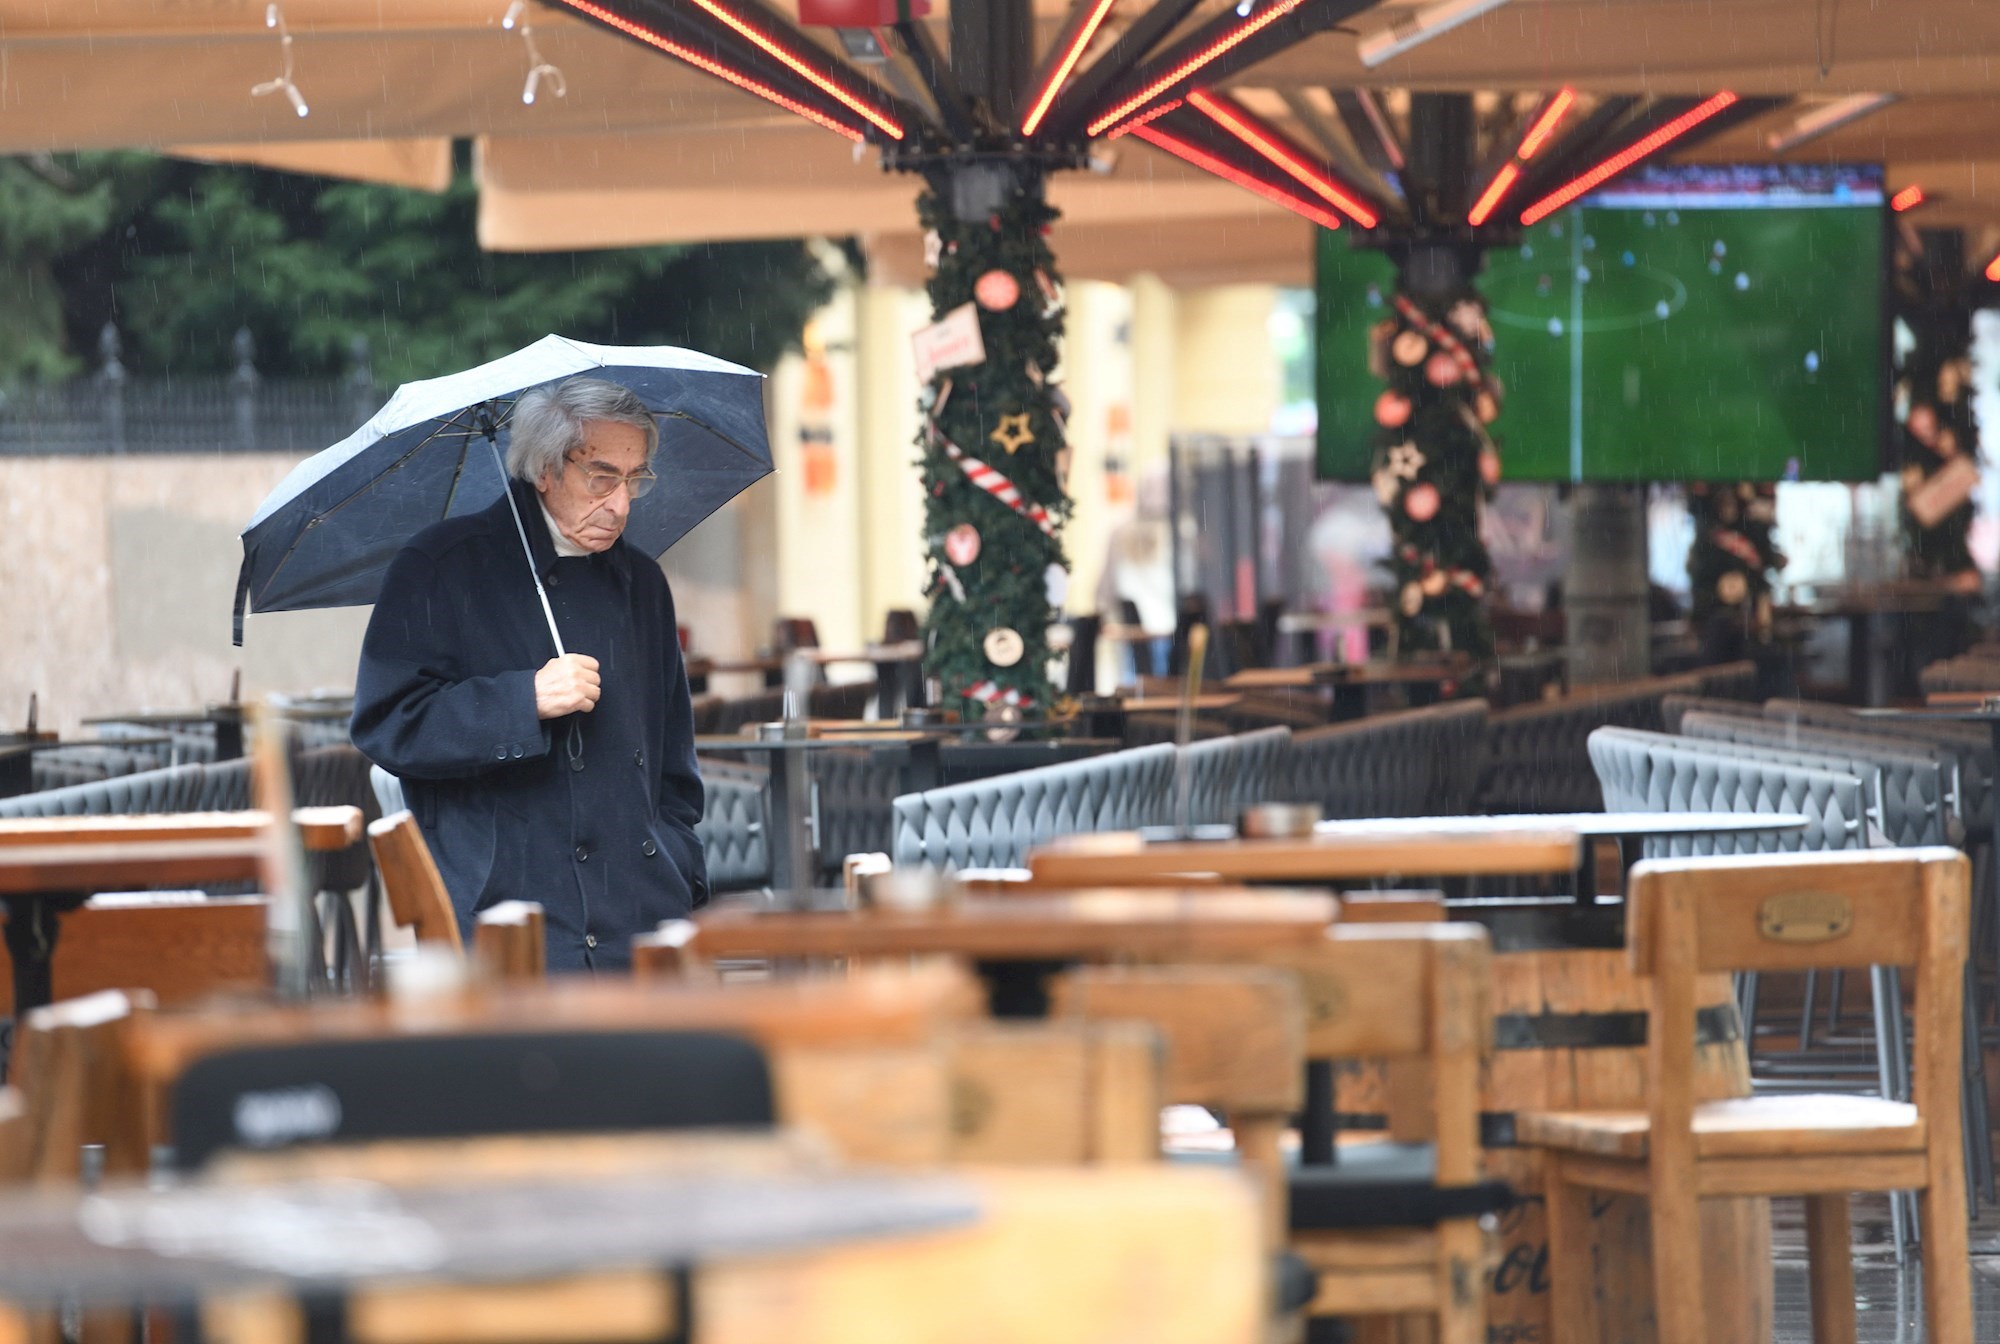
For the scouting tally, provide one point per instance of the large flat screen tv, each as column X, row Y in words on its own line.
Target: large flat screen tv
column 1692, row 322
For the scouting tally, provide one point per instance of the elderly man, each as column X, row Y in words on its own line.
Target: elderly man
column 569, row 781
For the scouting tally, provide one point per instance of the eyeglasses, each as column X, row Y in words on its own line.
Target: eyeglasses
column 600, row 484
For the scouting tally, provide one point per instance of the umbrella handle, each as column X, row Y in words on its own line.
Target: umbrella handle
column 527, row 551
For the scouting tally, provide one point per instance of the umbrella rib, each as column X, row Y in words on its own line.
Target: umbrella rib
column 325, row 514
column 696, row 420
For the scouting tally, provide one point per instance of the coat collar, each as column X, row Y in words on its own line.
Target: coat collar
column 543, row 547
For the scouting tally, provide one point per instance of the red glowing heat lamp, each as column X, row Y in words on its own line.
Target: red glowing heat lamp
column 1272, row 147
column 1228, row 172
column 729, row 73
column 1628, row 156
column 765, row 43
column 1993, row 270
column 1229, row 41
column 860, row 13
column 1496, row 190
column 1909, row 198
column 1545, row 125
column 1072, row 53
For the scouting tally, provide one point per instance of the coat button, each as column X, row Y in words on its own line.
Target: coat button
column 583, row 853
column 649, row 849
column 499, row 753
column 590, row 940
column 576, row 763
column 639, row 759
column 517, row 753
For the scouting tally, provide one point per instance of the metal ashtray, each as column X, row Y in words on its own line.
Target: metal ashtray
column 1279, row 821
column 908, row 888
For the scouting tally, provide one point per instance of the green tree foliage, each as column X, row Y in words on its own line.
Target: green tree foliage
column 181, row 255
column 982, row 409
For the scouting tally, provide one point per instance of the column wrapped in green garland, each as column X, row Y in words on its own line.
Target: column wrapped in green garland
column 1730, row 564
column 1436, row 463
column 995, row 466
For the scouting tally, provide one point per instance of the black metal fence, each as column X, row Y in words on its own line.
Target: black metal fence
column 113, row 412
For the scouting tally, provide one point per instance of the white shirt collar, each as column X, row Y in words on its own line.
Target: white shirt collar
column 565, row 548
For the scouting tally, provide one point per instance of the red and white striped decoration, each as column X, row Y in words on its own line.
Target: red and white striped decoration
column 989, row 693
column 1444, row 338
column 996, row 484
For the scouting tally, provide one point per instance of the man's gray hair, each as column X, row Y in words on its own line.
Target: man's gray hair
column 548, row 423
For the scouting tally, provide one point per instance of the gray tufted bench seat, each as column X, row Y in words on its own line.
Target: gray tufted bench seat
column 1414, row 763
column 1970, row 742
column 1225, row 775
column 993, row 823
column 1650, row 772
column 1919, row 784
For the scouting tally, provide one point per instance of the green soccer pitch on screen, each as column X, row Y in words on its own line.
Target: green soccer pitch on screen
column 1694, row 322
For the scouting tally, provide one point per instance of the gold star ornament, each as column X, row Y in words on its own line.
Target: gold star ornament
column 1013, row 433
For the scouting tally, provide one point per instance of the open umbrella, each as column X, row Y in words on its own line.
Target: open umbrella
column 326, row 534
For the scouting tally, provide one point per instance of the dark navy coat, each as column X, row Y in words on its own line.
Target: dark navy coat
column 593, row 815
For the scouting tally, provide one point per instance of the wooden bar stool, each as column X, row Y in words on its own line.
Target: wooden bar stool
column 1692, row 917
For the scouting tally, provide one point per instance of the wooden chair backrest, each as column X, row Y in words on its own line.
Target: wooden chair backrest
column 1234, row 1034
column 181, row 950
column 1787, row 912
column 671, row 952
column 1841, row 909
column 1054, row 1092
column 509, row 942
column 75, row 1088
column 416, row 893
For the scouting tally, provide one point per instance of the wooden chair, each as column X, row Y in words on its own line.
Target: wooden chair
column 70, row 1087
column 1692, row 917
column 509, row 942
column 1391, row 1228
column 1235, row 1038
column 416, row 894
column 179, row 949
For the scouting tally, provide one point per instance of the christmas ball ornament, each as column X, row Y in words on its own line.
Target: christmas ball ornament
column 961, row 545
column 1392, row 410
column 1412, row 599
column 1923, row 425
column 1003, row 714
column 1489, row 466
column 1732, row 588
column 1409, row 349
column 1442, row 370
column 1003, row 646
column 1421, row 502
column 1055, row 585
column 1433, row 583
column 997, row 291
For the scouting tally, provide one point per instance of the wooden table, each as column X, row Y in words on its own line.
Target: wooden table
column 1017, row 941
column 1367, row 851
column 39, row 882
column 321, row 829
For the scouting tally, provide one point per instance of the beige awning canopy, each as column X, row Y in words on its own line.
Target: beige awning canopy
column 644, row 149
